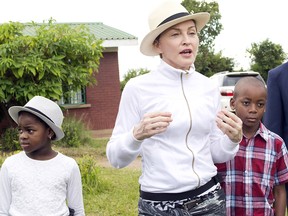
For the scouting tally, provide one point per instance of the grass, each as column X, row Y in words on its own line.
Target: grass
column 117, row 192
column 120, row 196
column 119, row 189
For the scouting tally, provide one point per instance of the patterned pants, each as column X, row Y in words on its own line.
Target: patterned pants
column 211, row 204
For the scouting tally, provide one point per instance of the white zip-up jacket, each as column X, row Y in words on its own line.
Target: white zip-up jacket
column 181, row 158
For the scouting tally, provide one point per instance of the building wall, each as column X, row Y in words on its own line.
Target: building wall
column 103, row 97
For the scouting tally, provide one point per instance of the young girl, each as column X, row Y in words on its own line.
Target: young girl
column 40, row 181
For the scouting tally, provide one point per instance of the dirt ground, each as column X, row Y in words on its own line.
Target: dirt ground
column 101, row 133
column 103, row 161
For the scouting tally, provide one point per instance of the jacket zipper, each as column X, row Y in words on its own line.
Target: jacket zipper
column 189, row 130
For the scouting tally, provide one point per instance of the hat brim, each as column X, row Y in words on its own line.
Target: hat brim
column 147, row 47
column 14, row 113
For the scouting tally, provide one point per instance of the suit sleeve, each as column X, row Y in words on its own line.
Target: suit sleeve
column 273, row 118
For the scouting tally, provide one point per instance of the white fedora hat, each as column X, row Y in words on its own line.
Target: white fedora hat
column 168, row 14
column 45, row 109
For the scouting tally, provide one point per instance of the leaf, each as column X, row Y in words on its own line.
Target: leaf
column 40, row 74
column 2, row 95
column 32, row 70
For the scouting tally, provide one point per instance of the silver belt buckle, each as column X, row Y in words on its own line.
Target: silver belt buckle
column 191, row 204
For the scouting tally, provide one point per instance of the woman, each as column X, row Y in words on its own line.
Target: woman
column 168, row 117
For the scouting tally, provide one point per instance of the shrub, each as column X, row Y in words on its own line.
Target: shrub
column 1, row 160
column 4, row 155
column 90, row 175
column 75, row 133
column 9, row 140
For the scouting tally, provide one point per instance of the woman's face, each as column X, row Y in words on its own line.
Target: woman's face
column 178, row 45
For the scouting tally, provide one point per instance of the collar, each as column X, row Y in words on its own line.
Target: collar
column 173, row 73
column 262, row 132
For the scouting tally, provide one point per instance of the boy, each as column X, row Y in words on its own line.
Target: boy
column 254, row 181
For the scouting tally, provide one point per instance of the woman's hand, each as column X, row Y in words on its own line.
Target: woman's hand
column 230, row 124
column 151, row 124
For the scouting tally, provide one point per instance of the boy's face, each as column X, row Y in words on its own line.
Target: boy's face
column 249, row 105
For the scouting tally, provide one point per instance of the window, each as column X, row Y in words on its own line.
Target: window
column 74, row 98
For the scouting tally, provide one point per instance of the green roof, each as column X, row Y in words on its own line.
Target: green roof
column 100, row 30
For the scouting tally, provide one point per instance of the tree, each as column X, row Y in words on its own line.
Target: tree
column 132, row 73
column 213, row 62
column 213, row 28
column 52, row 61
column 265, row 56
column 208, row 62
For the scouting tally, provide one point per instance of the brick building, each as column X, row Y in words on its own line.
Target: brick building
column 97, row 105
column 102, row 100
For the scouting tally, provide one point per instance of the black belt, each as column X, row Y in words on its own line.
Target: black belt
column 179, row 196
column 190, row 204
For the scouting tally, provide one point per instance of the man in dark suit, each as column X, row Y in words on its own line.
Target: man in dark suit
column 276, row 115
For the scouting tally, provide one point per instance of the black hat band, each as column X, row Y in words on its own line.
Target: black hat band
column 175, row 16
column 35, row 110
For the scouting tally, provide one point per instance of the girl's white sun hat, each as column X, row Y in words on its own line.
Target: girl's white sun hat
column 168, row 14
column 45, row 109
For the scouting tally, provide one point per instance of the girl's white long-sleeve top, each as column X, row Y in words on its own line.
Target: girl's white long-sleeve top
column 181, row 158
column 33, row 187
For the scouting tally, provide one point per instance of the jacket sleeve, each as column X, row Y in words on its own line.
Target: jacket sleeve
column 225, row 150
column 221, row 147
column 122, row 147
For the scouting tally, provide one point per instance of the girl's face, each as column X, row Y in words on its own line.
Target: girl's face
column 34, row 135
column 178, row 45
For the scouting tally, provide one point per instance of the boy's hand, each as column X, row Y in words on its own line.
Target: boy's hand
column 230, row 124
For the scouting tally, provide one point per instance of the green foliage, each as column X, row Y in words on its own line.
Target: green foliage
column 1, row 161
column 9, row 140
column 90, row 175
column 208, row 62
column 213, row 28
column 120, row 198
column 10, row 31
column 132, row 73
column 4, row 155
column 107, row 191
column 265, row 56
column 51, row 58
column 75, row 133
